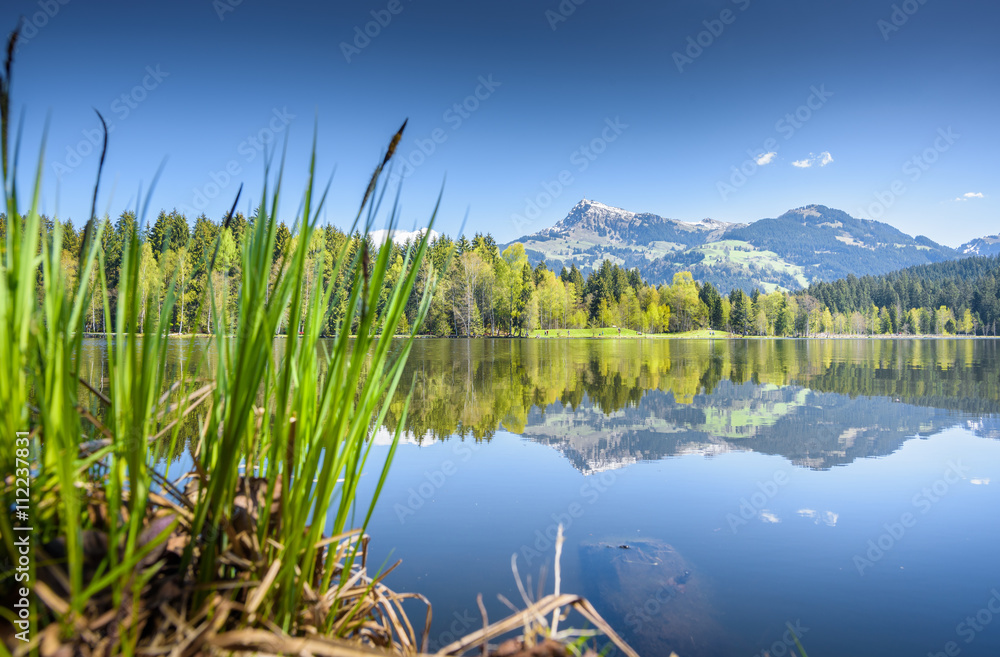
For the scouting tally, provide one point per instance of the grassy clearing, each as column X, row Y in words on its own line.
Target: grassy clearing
column 581, row 333
column 625, row 333
column 701, row 334
column 743, row 255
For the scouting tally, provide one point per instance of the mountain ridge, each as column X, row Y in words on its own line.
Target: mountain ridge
column 801, row 246
column 981, row 246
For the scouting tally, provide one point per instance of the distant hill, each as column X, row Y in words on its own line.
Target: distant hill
column 981, row 246
column 801, row 246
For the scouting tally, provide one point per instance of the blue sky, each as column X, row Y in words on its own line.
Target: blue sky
column 885, row 110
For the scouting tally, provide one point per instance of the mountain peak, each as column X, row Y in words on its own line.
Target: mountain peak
column 590, row 213
column 807, row 211
column 586, row 204
column 615, row 224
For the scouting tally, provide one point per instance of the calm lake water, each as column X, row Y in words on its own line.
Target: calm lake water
column 850, row 488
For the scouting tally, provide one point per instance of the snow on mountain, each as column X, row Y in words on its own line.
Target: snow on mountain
column 981, row 246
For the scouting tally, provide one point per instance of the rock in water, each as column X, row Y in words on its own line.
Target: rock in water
column 652, row 596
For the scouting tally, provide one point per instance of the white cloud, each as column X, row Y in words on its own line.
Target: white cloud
column 769, row 517
column 966, row 196
column 981, row 482
column 822, row 160
column 766, row 158
column 829, row 518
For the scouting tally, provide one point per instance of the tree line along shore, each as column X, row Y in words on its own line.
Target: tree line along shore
column 489, row 291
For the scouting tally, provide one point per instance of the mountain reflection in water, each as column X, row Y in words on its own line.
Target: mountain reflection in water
column 608, row 403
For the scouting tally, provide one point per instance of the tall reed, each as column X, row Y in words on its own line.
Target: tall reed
column 299, row 410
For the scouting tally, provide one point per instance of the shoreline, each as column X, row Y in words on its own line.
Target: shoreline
column 719, row 335
column 698, row 335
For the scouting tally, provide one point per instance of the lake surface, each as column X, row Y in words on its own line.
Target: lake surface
column 849, row 488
